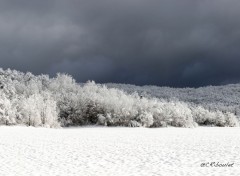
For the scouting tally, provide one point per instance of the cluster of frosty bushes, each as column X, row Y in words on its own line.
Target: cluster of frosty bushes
column 224, row 98
column 41, row 101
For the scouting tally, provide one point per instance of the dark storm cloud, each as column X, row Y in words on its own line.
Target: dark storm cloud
column 162, row 42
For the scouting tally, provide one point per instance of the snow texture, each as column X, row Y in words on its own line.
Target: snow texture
column 118, row 151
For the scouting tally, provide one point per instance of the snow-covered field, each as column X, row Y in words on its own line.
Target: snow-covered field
column 118, row 151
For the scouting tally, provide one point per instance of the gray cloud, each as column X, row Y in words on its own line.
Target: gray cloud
column 166, row 42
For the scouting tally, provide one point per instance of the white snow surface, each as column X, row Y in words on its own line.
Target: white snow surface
column 118, row 151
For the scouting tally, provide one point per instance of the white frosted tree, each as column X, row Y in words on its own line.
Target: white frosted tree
column 43, row 101
column 39, row 110
column 7, row 111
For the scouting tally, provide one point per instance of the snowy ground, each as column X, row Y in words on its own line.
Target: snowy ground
column 118, row 151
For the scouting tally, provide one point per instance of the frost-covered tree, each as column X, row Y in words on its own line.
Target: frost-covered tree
column 7, row 111
column 39, row 110
column 50, row 102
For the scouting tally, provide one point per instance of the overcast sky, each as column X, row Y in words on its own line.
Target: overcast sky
column 159, row 42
